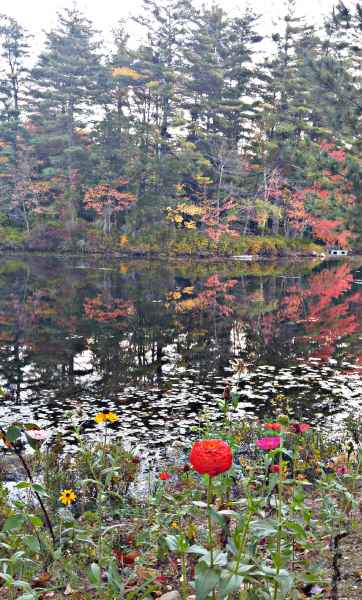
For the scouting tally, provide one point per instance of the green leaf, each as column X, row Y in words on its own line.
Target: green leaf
column 206, row 580
column 22, row 485
column 36, row 521
column 177, row 543
column 13, row 522
column 95, row 574
column 171, row 542
column 114, row 578
column 39, row 489
column 32, row 543
column 273, row 480
column 217, row 516
column 285, row 580
column 264, row 528
column 197, row 549
column 13, row 433
column 229, row 585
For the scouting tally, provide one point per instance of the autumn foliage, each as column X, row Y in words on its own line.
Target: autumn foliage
column 106, row 200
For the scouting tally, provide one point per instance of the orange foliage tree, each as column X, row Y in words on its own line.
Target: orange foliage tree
column 106, row 201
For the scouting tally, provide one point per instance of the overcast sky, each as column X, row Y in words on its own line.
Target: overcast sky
column 37, row 15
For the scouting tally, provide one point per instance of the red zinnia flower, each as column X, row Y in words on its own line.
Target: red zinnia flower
column 269, row 443
column 211, row 457
column 273, row 426
column 300, row 427
column 164, row 476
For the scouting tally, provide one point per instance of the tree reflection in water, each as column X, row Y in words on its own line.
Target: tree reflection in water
column 151, row 336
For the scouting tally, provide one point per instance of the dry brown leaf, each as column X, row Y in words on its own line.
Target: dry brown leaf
column 41, row 580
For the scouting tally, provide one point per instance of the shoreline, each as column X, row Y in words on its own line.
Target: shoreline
column 180, row 257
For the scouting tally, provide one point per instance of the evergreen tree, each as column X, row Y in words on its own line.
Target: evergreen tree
column 14, row 53
column 64, row 97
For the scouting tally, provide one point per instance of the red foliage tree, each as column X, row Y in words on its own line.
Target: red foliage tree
column 106, row 201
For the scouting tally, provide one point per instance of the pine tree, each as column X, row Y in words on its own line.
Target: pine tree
column 14, row 53
column 66, row 86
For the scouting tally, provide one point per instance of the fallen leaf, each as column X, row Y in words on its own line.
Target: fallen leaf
column 41, row 580
column 125, row 558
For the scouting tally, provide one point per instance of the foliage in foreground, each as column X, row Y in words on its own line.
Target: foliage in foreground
column 265, row 526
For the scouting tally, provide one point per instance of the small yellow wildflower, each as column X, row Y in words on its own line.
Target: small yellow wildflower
column 104, row 417
column 124, row 240
column 188, row 290
column 111, row 417
column 123, row 268
column 67, row 497
column 174, row 295
column 174, row 525
column 100, row 417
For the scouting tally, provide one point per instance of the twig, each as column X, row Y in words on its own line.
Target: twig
column 336, row 575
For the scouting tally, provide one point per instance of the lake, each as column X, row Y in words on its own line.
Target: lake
column 156, row 342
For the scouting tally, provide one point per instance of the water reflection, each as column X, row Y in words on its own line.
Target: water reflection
column 154, row 340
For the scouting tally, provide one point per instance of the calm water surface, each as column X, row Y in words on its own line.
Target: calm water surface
column 157, row 341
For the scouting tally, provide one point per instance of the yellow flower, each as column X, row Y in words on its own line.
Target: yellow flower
column 174, row 525
column 188, row 290
column 111, row 417
column 178, row 219
column 174, row 295
column 103, row 417
column 190, row 225
column 67, row 497
column 100, row 417
column 124, row 240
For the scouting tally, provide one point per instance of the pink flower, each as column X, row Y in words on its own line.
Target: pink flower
column 342, row 470
column 269, row 443
column 40, row 435
column 275, row 468
column 300, row 427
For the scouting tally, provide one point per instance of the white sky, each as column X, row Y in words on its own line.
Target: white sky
column 37, row 15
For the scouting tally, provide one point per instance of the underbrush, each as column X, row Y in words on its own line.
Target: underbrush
column 258, row 511
column 87, row 238
column 188, row 243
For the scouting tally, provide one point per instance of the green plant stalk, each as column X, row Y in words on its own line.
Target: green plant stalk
column 184, row 587
column 279, row 537
column 209, row 523
column 30, row 477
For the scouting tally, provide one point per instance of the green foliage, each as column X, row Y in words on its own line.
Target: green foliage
column 194, row 243
column 12, row 238
column 260, row 528
column 264, row 146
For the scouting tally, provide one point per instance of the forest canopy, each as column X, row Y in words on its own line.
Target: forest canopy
column 206, row 130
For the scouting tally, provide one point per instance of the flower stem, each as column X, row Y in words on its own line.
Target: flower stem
column 280, row 492
column 209, row 498
column 17, row 451
column 184, row 578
